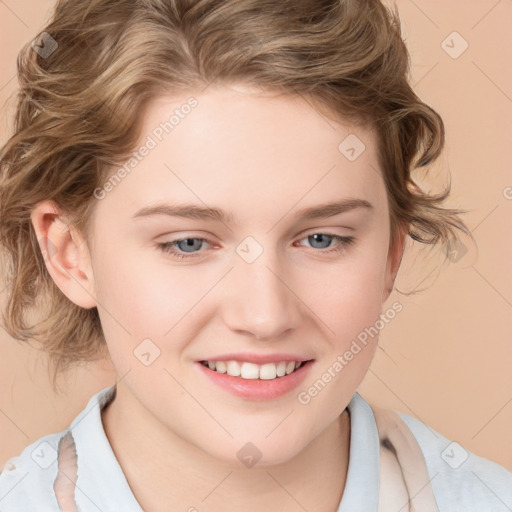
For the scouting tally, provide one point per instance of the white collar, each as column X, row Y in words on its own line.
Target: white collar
column 101, row 482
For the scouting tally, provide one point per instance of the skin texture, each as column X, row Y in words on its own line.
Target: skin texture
column 261, row 157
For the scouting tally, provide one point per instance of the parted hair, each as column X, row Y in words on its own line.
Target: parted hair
column 77, row 110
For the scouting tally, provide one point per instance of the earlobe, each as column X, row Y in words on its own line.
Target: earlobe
column 65, row 254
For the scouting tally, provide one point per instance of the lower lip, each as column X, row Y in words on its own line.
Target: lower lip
column 258, row 389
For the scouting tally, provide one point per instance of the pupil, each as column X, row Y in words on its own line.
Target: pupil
column 320, row 238
column 189, row 242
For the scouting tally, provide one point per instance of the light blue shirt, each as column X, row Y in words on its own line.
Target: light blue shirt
column 461, row 481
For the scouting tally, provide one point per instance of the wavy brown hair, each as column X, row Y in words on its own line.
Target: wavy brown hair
column 76, row 108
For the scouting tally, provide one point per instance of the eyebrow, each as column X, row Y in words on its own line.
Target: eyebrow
column 193, row 211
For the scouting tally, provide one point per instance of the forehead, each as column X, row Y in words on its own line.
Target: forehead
column 251, row 148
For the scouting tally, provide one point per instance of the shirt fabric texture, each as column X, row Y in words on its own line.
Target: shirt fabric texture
column 461, row 481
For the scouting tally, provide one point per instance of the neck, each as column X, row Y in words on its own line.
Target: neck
column 166, row 472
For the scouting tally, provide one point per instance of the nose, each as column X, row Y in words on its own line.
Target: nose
column 260, row 301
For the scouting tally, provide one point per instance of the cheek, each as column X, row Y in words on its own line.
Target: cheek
column 144, row 294
column 349, row 304
column 348, row 297
column 141, row 300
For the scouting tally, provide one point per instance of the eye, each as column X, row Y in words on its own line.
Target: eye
column 182, row 247
column 324, row 241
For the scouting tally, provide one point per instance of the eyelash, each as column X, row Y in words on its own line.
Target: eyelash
column 168, row 247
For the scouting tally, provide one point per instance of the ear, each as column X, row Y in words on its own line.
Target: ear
column 65, row 253
column 395, row 253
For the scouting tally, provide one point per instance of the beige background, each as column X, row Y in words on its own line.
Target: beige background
column 446, row 358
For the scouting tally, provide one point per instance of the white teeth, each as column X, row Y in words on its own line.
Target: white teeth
column 245, row 370
column 250, row 371
column 290, row 367
column 220, row 366
column 268, row 371
column 233, row 368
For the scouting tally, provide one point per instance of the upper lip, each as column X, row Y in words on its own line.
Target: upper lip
column 257, row 358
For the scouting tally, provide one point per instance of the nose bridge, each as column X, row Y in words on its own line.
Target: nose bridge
column 260, row 301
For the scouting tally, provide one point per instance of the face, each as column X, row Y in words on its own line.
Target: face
column 268, row 279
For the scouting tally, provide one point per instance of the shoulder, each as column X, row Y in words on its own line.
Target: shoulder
column 26, row 481
column 461, row 480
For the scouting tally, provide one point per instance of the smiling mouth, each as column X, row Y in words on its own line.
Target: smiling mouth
column 252, row 371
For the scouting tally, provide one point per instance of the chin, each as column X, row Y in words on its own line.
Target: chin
column 256, row 454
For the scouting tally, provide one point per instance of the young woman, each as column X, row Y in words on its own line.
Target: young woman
column 217, row 194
